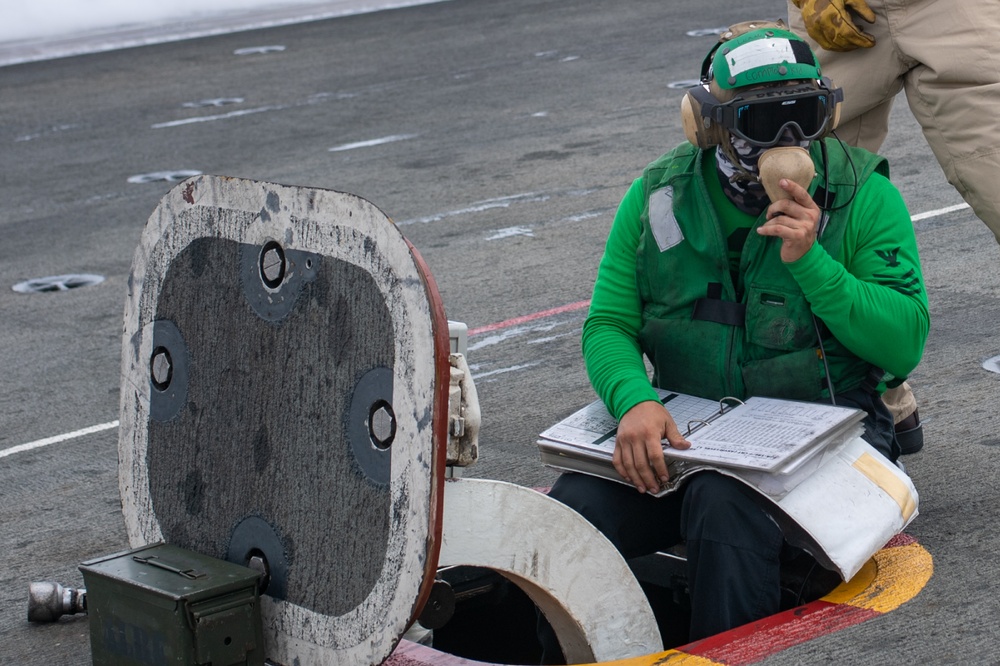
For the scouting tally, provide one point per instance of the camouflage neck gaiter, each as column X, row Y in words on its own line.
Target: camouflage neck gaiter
column 740, row 182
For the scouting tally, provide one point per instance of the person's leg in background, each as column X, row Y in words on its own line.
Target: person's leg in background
column 954, row 93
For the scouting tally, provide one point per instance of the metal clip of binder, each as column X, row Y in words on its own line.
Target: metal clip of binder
column 723, row 408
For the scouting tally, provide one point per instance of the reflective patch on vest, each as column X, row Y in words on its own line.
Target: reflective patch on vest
column 666, row 231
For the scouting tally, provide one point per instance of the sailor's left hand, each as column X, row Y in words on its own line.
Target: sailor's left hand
column 793, row 220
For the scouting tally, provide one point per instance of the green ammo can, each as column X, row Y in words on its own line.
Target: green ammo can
column 161, row 605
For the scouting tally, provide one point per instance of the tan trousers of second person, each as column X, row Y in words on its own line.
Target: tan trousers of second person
column 946, row 56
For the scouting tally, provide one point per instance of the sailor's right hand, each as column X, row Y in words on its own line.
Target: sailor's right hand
column 639, row 445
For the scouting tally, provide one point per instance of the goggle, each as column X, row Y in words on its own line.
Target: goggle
column 761, row 116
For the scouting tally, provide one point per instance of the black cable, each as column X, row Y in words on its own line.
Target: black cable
column 854, row 172
column 825, row 208
column 826, row 364
column 799, row 598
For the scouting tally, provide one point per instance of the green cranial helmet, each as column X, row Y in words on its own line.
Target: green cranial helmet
column 757, row 57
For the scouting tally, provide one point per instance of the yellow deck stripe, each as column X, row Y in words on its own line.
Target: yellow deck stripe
column 846, row 592
column 902, row 572
column 671, row 657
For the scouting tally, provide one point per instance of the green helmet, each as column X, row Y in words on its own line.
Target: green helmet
column 763, row 56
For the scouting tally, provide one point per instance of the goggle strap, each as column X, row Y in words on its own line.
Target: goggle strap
column 710, row 106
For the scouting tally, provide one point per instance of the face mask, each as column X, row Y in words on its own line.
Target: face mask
column 738, row 172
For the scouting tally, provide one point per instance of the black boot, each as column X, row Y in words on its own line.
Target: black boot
column 910, row 434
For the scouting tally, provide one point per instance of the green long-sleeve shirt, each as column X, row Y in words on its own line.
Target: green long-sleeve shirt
column 870, row 297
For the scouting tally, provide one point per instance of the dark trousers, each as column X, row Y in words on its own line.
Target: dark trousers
column 733, row 545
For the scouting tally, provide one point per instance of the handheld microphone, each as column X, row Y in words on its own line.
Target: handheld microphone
column 791, row 162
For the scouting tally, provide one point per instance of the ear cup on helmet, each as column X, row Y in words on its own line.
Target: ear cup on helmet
column 691, row 121
column 698, row 129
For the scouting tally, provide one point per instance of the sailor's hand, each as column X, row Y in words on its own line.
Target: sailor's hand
column 831, row 23
column 793, row 220
column 639, row 445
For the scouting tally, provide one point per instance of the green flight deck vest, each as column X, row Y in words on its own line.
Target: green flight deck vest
column 705, row 335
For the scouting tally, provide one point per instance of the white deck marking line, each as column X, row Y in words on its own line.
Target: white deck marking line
column 499, row 234
column 218, row 116
column 372, row 142
column 500, row 371
column 939, row 211
column 512, row 332
column 478, row 207
column 58, row 438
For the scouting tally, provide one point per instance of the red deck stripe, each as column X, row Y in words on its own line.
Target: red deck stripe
column 414, row 654
column 901, row 539
column 569, row 307
column 755, row 641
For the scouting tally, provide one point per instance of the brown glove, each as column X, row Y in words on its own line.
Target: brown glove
column 831, row 23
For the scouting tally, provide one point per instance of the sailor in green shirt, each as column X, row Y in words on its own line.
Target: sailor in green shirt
column 726, row 292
